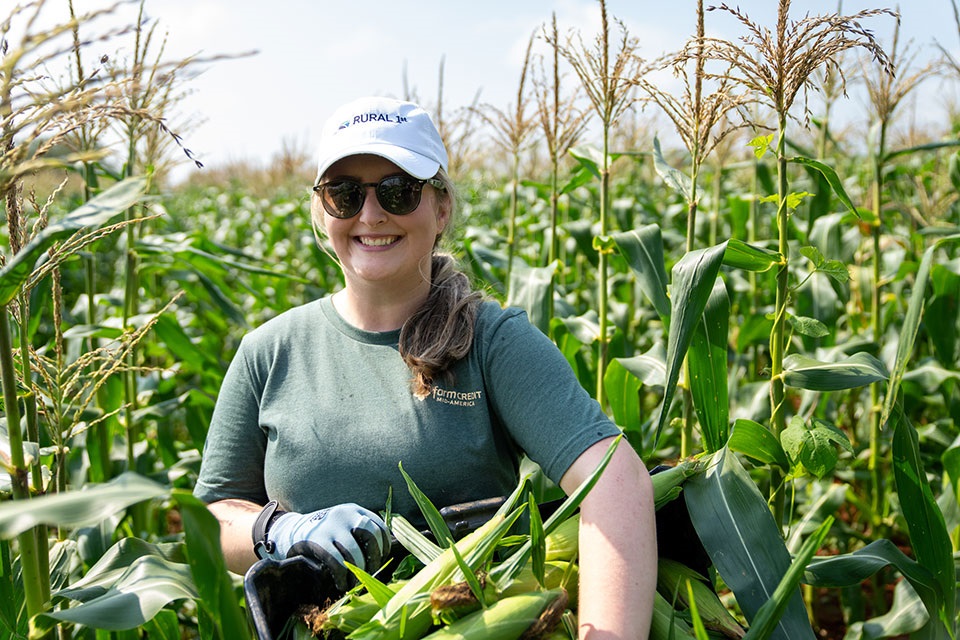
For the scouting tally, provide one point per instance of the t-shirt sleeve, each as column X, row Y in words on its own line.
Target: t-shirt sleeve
column 537, row 397
column 233, row 454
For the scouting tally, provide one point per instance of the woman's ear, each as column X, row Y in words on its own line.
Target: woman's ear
column 443, row 212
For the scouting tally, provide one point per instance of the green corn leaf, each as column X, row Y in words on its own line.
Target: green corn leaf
column 622, row 390
column 911, row 325
column 753, row 439
column 694, row 276
column 764, row 623
column 504, row 573
column 412, row 540
column 77, row 508
column 643, row 250
column 438, row 526
column 676, row 180
column 589, row 157
column 530, row 289
column 92, row 215
column 858, row 370
column 817, row 512
column 538, row 543
column 925, row 523
column 832, row 179
column 650, row 367
column 852, row 568
column 930, row 146
column 380, row 592
column 739, row 533
column 147, row 585
column 741, row 255
column 906, row 615
column 218, row 597
column 707, row 360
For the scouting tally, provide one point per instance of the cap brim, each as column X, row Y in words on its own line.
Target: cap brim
column 415, row 164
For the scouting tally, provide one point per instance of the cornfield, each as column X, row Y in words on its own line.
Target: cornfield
column 767, row 307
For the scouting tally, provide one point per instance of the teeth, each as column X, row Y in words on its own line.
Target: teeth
column 377, row 242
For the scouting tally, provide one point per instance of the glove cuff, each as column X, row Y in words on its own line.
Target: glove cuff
column 262, row 547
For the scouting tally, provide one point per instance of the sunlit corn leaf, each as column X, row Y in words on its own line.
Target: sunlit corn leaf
column 739, row 533
column 585, row 328
column 643, row 250
column 622, row 389
column 694, row 276
column 707, row 360
column 766, row 620
column 650, row 367
column 744, row 256
column 905, row 616
column 504, row 573
column 381, row 592
column 217, row 593
column 911, row 324
column 144, row 587
column 530, row 290
column 928, row 532
column 753, row 439
column 852, row 568
column 591, row 158
column 412, row 540
column 94, row 214
column 675, row 179
column 817, row 512
column 832, row 179
column 77, row 508
column 858, row 370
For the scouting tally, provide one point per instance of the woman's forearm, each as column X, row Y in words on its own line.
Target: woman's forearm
column 618, row 546
column 236, row 526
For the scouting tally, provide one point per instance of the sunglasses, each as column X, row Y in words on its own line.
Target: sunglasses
column 398, row 195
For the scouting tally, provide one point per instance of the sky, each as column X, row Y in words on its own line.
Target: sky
column 313, row 55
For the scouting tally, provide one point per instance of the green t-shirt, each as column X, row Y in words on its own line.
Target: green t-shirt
column 315, row 412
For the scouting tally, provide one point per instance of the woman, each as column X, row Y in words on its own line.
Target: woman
column 407, row 365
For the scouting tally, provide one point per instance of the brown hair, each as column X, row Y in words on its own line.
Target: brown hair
column 440, row 332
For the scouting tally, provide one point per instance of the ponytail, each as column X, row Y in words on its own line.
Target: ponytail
column 440, row 332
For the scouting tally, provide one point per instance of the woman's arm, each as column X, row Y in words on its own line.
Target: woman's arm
column 618, row 545
column 236, row 531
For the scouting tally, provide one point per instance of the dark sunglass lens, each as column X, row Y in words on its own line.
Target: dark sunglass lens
column 399, row 194
column 343, row 199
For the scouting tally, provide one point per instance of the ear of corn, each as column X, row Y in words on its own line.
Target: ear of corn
column 672, row 579
column 563, row 543
column 506, row 619
column 666, row 623
column 407, row 614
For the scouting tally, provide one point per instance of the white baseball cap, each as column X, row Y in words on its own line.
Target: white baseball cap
column 399, row 131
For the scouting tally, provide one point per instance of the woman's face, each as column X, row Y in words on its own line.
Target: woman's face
column 376, row 247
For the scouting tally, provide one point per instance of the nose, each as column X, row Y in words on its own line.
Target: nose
column 371, row 213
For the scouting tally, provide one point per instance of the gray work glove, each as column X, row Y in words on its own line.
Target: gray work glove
column 345, row 532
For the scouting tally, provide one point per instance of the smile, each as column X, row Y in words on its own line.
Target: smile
column 380, row 241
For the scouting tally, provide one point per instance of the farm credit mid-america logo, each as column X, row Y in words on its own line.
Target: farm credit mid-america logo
column 457, row 398
column 362, row 118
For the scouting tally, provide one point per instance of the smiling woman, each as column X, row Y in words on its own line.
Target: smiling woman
column 323, row 403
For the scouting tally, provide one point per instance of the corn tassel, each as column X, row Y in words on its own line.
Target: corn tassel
column 506, row 619
column 672, row 580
